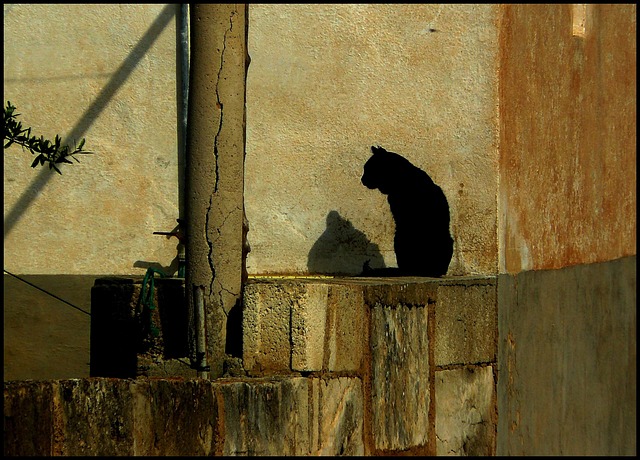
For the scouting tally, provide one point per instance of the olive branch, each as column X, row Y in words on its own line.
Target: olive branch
column 47, row 152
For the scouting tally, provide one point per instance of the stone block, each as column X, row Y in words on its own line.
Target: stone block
column 347, row 333
column 338, row 408
column 466, row 325
column 400, row 377
column 28, row 418
column 466, row 411
column 266, row 327
column 265, row 417
column 93, row 417
column 174, row 417
column 308, row 325
column 303, row 326
column 413, row 291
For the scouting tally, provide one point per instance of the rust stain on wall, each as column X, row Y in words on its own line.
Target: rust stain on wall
column 567, row 136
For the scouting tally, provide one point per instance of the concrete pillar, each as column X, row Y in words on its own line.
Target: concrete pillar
column 215, row 174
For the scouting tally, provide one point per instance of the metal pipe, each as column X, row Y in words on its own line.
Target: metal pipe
column 201, row 347
column 183, row 59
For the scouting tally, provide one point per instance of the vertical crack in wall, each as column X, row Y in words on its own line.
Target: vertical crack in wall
column 209, row 242
column 212, row 242
column 219, row 104
column 220, row 107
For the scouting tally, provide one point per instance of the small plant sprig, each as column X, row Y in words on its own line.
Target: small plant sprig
column 47, row 151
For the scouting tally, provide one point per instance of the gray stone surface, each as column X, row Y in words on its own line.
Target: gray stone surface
column 93, row 417
column 158, row 417
column 567, row 361
column 28, row 418
column 465, row 411
column 400, row 377
column 466, row 323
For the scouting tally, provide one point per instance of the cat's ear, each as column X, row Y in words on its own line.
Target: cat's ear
column 377, row 149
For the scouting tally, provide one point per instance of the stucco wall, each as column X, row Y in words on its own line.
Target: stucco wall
column 567, row 136
column 328, row 81
column 106, row 73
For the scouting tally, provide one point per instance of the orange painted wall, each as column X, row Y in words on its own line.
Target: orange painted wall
column 567, row 192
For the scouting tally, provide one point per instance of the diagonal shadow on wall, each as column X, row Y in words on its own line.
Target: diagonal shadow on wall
column 119, row 77
column 342, row 249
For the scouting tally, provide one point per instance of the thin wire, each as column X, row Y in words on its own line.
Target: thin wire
column 47, row 292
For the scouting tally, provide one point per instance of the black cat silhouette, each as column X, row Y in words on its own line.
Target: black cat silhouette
column 422, row 242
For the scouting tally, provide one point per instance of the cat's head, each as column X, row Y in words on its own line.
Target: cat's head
column 380, row 170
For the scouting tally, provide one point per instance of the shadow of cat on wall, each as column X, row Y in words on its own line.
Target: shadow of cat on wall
column 422, row 241
column 342, row 249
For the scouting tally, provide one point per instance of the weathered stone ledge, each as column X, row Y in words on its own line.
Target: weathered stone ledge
column 100, row 416
column 314, row 324
column 340, row 366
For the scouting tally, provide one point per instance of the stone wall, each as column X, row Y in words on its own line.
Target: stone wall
column 567, row 230
column 425, row 351
column 336, row 367
column 538, row 363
